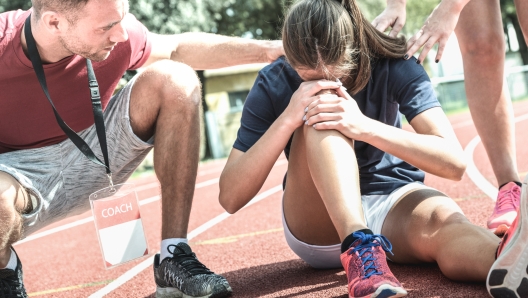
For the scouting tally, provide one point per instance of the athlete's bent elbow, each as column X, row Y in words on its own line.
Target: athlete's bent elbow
column 458, row 170
column 226, row 201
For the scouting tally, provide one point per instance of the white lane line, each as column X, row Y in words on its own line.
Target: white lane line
column 148, row 262
column 220, row 169
column 55, row 230
column 462, row 124
column 90, row 219
column 474, row 174
column 141, row 203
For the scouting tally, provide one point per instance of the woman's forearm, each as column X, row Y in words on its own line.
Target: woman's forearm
column 431, row 153
column 245, row 172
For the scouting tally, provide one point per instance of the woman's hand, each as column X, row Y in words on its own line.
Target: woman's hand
column 436, row 29
column 339, row 113
column 393, row 16
column 304, row 96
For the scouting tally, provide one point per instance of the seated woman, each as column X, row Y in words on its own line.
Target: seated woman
column 355, row 178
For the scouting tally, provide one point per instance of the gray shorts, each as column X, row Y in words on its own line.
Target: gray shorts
column 60, row 178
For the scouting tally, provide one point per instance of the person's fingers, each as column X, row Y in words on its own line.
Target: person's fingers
column 426, row 48
column 322, row 99
column 420, row 42
column 317, row 86
column 382, row 25
column 441, row 47
column 327, row 125
column 322, row 117
column 375, row 23
column 341, row 92
column 413, row 45
column 396, row 28
column 324, row 108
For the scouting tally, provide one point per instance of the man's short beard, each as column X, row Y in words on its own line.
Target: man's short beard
column 82, row 52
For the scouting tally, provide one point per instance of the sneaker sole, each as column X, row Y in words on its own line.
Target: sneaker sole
column 386, row 291
column 508, row 276
column 176, row 293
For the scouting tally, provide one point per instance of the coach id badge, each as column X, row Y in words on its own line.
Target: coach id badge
column 118, row 224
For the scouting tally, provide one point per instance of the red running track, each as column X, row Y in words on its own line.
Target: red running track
column 248, row 248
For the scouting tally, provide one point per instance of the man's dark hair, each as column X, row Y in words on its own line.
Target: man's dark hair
column 67, row 7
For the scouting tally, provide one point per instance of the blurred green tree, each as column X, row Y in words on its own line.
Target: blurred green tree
column 6, row 5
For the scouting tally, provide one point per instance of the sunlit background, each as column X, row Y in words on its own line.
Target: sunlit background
column 225, row 90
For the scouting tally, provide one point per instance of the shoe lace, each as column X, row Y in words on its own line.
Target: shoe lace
column 508, row 199
column 365, row 251
column 187, row 261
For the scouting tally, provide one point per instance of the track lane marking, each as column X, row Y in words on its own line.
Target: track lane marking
column 234, row 238
column 64, row 289
column 90, row 219
column 141, row 203
column 148, row 262
column 473, row 172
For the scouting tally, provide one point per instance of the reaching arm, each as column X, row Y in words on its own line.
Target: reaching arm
column 433, row 147
column 436, row 29
column 209, row 51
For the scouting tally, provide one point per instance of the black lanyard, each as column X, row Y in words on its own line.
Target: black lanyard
column 96, row 104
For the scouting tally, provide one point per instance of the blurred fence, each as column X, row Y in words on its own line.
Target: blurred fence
column 222, row 127
column 452, row 94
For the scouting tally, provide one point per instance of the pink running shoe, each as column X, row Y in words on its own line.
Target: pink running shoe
column 508, row 276
column 505, row 209
column 366, row 268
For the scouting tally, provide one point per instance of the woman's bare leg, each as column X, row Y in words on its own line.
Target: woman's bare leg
column 427, row 226
column 322, row 200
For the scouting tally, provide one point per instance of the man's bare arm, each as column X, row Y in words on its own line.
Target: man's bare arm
column 209, row 51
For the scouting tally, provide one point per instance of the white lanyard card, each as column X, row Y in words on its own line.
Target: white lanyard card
column 118, row 223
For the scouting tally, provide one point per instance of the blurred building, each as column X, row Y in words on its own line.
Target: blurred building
column 226, row 90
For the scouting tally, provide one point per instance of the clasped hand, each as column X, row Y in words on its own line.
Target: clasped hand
column 326, row 105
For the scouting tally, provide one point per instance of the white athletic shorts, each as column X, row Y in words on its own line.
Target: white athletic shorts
column 375, row 209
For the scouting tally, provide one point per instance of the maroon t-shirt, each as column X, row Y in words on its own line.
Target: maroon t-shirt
column 26, row 116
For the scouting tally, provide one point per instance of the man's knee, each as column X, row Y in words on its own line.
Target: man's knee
column 14, row 200
column 486, row 46
column 12, row 194
column 174, row 82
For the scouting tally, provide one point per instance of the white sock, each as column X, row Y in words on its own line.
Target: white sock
column 164, row 252
column 12, row 261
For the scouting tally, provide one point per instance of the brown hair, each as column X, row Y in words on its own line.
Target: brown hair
column 68, row 7
column 320, row 33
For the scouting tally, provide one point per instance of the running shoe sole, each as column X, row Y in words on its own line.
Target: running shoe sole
column 508, row 276
column 386, row 291
column 176, row 293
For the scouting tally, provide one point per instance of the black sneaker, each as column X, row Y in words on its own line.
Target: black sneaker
column 182, row 275
column 11, row 283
